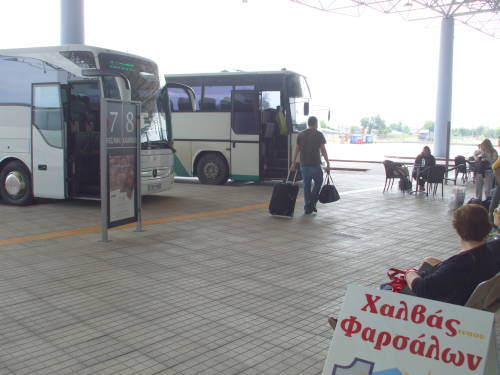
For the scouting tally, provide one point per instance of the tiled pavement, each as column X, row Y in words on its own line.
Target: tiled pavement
column 229, row 293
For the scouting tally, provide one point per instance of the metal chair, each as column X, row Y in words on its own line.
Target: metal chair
column 435, row 176
column 460, row 167
column 486, row 296
column 390, row 174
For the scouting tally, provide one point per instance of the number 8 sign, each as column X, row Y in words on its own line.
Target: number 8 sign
column 130, row 122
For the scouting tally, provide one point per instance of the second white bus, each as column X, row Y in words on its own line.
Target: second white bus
column 243, row 127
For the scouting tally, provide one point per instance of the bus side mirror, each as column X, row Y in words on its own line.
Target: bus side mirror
column 306, row 108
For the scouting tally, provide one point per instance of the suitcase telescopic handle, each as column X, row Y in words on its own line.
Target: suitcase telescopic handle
column 294, row 177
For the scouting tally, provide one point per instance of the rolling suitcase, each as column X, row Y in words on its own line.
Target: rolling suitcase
column 284, row 197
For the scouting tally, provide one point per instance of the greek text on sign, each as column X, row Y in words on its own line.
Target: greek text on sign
column 385, row 333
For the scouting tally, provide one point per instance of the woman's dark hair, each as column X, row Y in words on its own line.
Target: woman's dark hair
column 471, row 222
column 427, row 148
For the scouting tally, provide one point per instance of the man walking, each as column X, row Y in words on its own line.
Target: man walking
column 310, row 143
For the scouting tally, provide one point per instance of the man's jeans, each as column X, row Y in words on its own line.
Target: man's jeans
column 311, row 196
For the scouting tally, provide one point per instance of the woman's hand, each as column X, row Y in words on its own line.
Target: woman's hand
column 410, row 276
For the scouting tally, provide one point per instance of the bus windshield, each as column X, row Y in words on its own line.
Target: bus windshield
column 298, row 92
column 145, row 86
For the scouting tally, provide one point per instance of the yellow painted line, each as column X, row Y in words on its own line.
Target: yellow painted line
column 75, row 232
column 46, row 236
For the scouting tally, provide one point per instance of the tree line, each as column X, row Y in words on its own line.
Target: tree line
column 484, row 131
column 377, row 125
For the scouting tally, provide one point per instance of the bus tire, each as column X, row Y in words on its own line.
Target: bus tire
column 15, row 184
column 212, row 169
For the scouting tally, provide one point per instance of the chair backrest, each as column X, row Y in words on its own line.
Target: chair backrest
column 436, row 174
column 184, row 105
column 208, row 104
column 389, row 168
column 486, row 296
column 225, row 104
column 460, row 164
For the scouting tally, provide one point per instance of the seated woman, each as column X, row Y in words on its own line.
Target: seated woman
column 423, row 161
column 454, row 279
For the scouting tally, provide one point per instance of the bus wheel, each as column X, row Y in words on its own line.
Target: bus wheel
column 212, row 169
column 15, row 184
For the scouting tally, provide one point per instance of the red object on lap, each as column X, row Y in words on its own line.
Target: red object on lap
column 398, row 280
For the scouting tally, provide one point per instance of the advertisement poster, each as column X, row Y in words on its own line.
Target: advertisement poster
column 385, row 333
column 122, row 187
column 122, row 142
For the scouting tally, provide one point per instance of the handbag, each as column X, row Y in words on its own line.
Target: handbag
column 398, row 280
column 328, row 192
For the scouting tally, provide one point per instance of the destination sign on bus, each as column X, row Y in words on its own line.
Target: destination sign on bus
column 121, row 65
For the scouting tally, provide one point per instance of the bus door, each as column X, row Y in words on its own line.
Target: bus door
column 245, row 135
column 83, row 108
column 274, row 150
column 47, row 137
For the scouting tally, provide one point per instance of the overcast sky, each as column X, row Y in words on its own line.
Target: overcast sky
column 358, row 66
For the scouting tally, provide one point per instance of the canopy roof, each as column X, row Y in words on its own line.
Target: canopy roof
column 482, row 15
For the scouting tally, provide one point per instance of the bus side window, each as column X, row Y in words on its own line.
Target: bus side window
column 217, row 98
column 270, row 99
column 179, row 100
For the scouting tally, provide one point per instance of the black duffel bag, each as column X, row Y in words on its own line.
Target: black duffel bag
column 328, row 192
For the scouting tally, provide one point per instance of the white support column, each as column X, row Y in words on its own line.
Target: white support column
column 72, row 22
column 444, row 91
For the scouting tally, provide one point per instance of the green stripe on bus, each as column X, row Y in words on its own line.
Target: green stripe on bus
column 179, row 168
column 242, row 177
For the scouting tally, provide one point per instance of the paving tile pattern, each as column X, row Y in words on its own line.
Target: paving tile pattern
column 239, row 293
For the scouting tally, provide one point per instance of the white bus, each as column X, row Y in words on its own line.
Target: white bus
column 243, row 127
column 50, row 120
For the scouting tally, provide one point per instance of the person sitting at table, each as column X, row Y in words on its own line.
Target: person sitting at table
column 423, row 161
column 454, row 279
